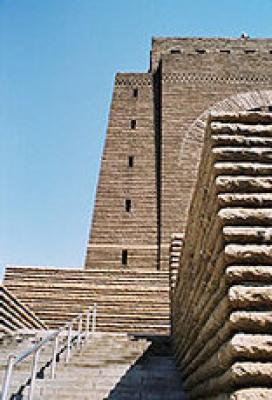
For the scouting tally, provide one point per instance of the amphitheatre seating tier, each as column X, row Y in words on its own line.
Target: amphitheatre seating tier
column 222, row 302
column 130, row 301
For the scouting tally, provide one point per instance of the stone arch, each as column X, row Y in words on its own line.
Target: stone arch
column 191, row 145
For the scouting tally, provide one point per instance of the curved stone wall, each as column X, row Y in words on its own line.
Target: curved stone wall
column 192, row 143
column 222, row 305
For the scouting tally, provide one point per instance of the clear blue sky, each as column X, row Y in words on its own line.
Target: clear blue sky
column 58, row 60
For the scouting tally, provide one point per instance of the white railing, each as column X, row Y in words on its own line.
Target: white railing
column 80, row 336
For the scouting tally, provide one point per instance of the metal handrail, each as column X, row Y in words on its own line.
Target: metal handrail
column 78, row 339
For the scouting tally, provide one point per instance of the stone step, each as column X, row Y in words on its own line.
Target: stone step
column 247, row 234
column 240, row 216
column 259, row 154
column 242, row 168
column 243, row 118
column 109, row 367
column 245, row 199
column 243, row 184
column 101, row 395
column 223, row 139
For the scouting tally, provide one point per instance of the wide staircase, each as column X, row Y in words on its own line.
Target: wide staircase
column 103, row 366
column 134, row 301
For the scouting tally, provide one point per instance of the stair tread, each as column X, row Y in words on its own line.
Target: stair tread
column 108, row 367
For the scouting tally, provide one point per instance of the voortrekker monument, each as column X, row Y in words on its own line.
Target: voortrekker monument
column 181, row 240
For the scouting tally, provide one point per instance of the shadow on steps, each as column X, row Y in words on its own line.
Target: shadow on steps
column 154, row 376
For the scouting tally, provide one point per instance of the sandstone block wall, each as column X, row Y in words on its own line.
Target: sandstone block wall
column 187, row 77
column 222, row 305
column 15, row 315
column 156, row 118
column 127, row 301
column 199, row 45
column 128, row 172
column 196, row 74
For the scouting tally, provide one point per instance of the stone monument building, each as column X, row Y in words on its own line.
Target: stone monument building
column 142, row 195
column 186, row 166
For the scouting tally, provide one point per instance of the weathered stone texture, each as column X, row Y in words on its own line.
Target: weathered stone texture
column 222, row 303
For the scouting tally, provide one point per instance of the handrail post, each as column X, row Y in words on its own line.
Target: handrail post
column 79, row 330
column 69, row 338
column 94, row 319
column 54, row 358
column 87, row 330
column 7, row 377
column 33, row 374
column 35, row 350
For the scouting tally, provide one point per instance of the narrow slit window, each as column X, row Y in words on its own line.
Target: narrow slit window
column 130, row 161
column 128, row 205
column 175, row 51
column 255, row 109
column 124, row 257
column 133, row 124
column 250, row 51
column 226, row 51
column 135, row 92
column 200, row 51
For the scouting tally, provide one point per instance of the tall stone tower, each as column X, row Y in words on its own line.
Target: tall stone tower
column 142, row 195
column 148, row 173
column 188, row 156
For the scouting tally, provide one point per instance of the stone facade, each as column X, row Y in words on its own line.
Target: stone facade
column 128, row 174
column 187, row 77
column 223, row 296
column 148, row 174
